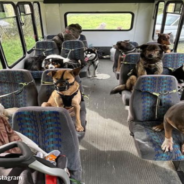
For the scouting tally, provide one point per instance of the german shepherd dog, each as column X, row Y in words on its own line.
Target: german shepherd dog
column 91, row 57
column 125, row 47
column 150, row 63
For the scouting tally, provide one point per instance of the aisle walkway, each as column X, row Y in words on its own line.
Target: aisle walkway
column 108, row 152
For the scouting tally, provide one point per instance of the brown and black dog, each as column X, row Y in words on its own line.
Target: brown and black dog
column 150, row 63
column 125, row 47
column 174, row 118
column 164, row 39
column 67, row 93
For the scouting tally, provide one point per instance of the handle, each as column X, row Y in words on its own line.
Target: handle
column 25, row 159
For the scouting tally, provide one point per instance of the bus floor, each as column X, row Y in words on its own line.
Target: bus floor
column 108, row 153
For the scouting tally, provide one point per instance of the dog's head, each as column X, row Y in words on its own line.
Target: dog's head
column 164, row 38
column 151, row 53
column 63, row 79
column 53, row 61
column 90, row 54
column 125, row 46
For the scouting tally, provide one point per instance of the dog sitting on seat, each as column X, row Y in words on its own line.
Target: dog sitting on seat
column 150, row 63
column 125, row 47
column 91, row 57
column 164, row 39
column 67, row 93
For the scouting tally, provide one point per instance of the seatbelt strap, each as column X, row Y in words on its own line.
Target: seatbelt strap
column 158, row 98
column 24, row 84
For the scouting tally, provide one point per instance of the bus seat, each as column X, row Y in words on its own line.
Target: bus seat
column 128, row 64
column 49, row 37
column 47, row 88
column 74, row 49
column 45, row 48
column 52, row 129
column 172, row 61
column 18, row 88
column 84, row 40
column 153, row 95
column 118, row 53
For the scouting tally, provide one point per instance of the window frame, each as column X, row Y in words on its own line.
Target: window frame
column 41, row 22
column 93, row 12
column 33, row 21
column 2, row 54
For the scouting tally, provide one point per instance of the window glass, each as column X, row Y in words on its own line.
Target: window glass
column 101, row 21
column 25, row 14
column 37, row 15
column 158, row 21
column 9, row 34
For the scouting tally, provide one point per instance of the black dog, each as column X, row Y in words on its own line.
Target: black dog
column 91, row 57
column 34, row 63
column 179, row 74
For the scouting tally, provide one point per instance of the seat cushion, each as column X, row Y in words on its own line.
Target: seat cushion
column 148, row 142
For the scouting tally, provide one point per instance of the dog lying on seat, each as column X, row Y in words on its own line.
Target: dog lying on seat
column 150, row 63
column 125, row 47
column 67, row 93
column 173, row 119
column 91, row 57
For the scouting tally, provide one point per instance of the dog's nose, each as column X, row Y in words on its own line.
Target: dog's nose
column 51, row 67
column 150, row 56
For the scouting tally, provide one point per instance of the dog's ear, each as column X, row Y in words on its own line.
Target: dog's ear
column 142, row 47
column 169, row 33
column 51, row 73
column 75, row 71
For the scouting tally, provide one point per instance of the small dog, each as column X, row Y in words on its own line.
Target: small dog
column 67, row 93
column 150, row 63
column 164, row 39
column 91, row 57
column 54, row 61
column 125, row 47
column 34, row 63
column 173, row 119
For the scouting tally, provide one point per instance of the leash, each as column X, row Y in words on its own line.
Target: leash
column 24, row 84
column 158, row 100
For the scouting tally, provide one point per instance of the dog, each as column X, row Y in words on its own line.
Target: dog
column 173, row 119
column 150, row 63
column 67, row 93
column 34, row 63
column 91, row 57
column 179, row 74
column 164, row 39
column 125, row 47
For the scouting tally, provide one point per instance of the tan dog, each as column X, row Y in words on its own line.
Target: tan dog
column 164, row 39
column 174, row 118
column 67, row 93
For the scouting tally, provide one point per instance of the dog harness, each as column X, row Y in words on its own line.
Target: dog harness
column 67, row 99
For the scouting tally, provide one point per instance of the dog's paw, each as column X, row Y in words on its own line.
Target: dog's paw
column 158, row 128
column 79, row 129
column 167, row 145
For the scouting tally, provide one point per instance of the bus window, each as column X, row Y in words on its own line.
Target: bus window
column 9, row 34
column 173, row 15
column 26, row 18
column 101, row 21
column 37, row 15
column 158, row 22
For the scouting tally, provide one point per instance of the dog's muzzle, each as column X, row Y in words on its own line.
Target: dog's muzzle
column 65, row 85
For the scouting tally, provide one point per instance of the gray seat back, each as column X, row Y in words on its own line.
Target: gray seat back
column 84, row 40
column 52, row 129
column 17, row 88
